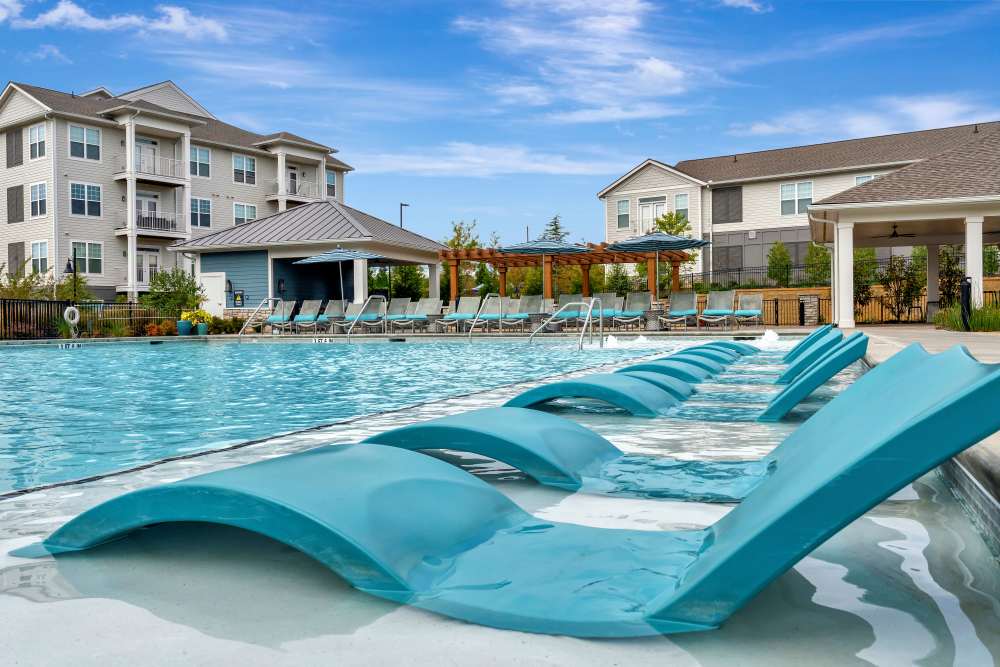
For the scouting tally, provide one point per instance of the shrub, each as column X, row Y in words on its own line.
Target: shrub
column 817, row 265
column 901, row 280
column 986, row 318
column 168, row 328
column 196, row 316
column 950, row 275
column 173, row 291
column 779, row 265
column 153, row 329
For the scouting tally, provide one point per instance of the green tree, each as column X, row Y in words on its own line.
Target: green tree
column 901, row 280
column 817, row 265
column 554, row 230
column 950, row 275
column 865, row 276
column 23, row 284
column 463, row 237
column 65, row 289
column 779, row 265
column 677, row 225
column 409, row 281
column 172, row 291
column 991, row 260
column 616, row 280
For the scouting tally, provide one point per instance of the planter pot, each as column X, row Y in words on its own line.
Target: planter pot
column 202, row 329
column 183, row 328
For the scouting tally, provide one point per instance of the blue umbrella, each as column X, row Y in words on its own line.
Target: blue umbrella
column 655, row 242
column 339, row 256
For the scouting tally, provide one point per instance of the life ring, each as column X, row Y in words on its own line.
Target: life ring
column 71, row 315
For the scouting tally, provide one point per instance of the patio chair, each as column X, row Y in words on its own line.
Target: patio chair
column 572, row 315
column 281, row 316
column 490, row 311
column 611, row 305
column 306, row 317
column 520, row 318
column 419, row 318
column 354, row 313
column 719, row 309
column 465, row 311
column 334, row 311
column 380, row 309
column 750, row 310
column 634, row 313
column 399, row 308
column 683, row 307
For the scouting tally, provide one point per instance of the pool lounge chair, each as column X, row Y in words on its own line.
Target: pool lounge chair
column 573, row 314
column 280, row 318
column 489, row 312
column 634, row 313
column 803, row 344
column 380, row 308
column 521, row 318
column 399, row 308
column 719, row 309
column 306, row 317
column 465, row 311
column 476, row 556
column 750, row 310
column 419, row 318
column 372, row 313
column 334, row 311
column 683, row 308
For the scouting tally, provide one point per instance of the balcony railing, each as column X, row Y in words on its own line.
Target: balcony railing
column 158, row 222
column 151, row 163
column 297, row 188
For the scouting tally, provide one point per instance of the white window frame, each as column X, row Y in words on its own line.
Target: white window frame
column 232, row 173
column 86, row 263
column 44, row 141
column 618, row 213
column 245, row 219
column 326, row 183
column 33, row 258
column 687, row 216
column 867, row 177
column 69, row 143
column 201, row 148
column 87, row 216
column 211, row 214
column 796, row 185
column 31, row 187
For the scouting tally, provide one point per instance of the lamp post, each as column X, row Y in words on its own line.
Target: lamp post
column 401, row 207
column 71, row 269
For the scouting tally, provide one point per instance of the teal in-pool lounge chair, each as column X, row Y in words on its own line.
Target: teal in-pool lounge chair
column 683, row 309
column 718, row 309
column 811, row 351
column 750, row 309
column 634, row 314
column 804, row 344
column 637, row 396
column 306, row 317
column 476, row 556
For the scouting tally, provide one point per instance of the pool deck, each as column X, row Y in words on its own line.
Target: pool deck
column 974, row 474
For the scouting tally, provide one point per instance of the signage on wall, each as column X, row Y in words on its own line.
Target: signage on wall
column 237, row 298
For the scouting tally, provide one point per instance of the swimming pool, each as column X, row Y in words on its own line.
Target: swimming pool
column 74, row 413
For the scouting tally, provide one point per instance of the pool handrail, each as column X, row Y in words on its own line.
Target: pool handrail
column 482, row 305
column 588, row 320
column 364, row 310
column 264, row 302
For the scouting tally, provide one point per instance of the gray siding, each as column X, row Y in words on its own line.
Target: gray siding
column 247, row 271
column 168, row 97
column 223, row 192
column 22, row 176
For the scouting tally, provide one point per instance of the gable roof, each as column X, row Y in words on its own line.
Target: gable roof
column 971, row 170
column 880, row 151
column 642, row 165
column 311, row 223
column 139, row 92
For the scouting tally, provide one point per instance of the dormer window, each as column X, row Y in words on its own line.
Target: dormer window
column 331, row 183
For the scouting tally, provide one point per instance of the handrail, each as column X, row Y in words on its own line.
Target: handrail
column 364, row 308
column 588, row 321
column 266, row 301
column 479, row 312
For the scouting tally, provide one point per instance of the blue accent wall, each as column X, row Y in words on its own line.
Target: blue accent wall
column 247, row 271
column 311, row 281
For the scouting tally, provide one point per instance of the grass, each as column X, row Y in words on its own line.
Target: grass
column 986, row 318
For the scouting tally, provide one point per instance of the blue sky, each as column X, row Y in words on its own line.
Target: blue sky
column 511, row 111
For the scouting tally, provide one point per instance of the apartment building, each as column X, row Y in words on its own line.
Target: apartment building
column 113, row 179
column 746, row 202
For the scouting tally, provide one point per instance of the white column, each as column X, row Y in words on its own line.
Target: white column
column 360, row 280
column 833, row 278
column 434, row 281
column 933, row 294
column 321, row 180
column 282, row 182
column 185, row 207
column 974, row 257
column 845, row 275
column 130, row 211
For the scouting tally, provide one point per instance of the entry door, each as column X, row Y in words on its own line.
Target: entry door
column 214, row 285
column 146, row 211
column 648, row 213
column 147, row 264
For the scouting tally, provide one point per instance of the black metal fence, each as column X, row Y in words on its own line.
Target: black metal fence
column 30, row 318
column 26, row 319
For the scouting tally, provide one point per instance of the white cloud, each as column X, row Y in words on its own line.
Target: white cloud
column 171, row 19
column 882, row 115
column 752, row 5
column 482, row 161
column 46, row 52
column 522, row 94
column 10, row 9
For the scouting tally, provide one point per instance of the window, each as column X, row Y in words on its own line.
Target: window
column 40, row 257
column 858, row 180
column 727, row 205
column 89, row 257
column 623, row 221
column 36, row 141
column 84, row 142
column 38, row 203
column 201, row 212
column 244, row 169
column 681, row 206
column 85, row 200
column 331, row 184
column 244, row 213
column 201, row 162
column 796, row 197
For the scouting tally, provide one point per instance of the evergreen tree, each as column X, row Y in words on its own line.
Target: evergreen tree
column 409, row 280
column 463, row 237
column 779, row 265
column 817, row 265
column 554, row 230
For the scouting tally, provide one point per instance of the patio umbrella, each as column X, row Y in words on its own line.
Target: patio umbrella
column 543, row 247
column 657, row 241
column 339, row 256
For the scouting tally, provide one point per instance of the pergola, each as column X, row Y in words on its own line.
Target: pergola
column 596, row 254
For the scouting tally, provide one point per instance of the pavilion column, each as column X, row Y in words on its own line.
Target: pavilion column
column 585, row 279
column 360, row 280
column 547, row 277
column 502, row 271
column 844, row 288
column 434, row 281
column 675, row 277
column 651, row 274
column 453, row 279
column 933, row 291
column 833, row 278
column 974, row 257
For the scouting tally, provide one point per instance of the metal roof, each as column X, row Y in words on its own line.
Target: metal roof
column 309, row 223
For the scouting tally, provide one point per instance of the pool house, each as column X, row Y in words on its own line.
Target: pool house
column 241, row 266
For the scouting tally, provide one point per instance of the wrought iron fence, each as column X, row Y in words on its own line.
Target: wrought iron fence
column 27, row 319
column 30, row 318
column 119, row 319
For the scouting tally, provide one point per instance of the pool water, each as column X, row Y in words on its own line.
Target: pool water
column 73, row 413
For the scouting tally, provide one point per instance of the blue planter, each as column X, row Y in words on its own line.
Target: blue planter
column 183, row 328
column 202, row 329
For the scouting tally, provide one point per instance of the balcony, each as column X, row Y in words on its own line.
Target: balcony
column 162, row 225
column 151, row 167
column 295, row 190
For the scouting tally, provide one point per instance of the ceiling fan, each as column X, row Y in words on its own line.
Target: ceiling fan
column 895, row 234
